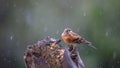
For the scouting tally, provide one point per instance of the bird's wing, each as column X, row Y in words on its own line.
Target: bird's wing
column 73, row 34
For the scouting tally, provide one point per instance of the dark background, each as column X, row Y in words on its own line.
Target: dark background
column 24, row 22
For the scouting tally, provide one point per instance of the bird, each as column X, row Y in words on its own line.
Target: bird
column 72, row 38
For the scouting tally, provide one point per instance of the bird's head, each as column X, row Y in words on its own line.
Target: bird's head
column 67, row 30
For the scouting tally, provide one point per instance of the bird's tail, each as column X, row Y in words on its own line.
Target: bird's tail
column 89, row 44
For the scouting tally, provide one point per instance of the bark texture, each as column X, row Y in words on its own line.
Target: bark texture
column 48, row 53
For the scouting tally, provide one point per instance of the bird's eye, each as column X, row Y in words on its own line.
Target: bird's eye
column 68, row 30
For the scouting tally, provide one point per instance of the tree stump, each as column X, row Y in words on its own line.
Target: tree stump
column 48, row 53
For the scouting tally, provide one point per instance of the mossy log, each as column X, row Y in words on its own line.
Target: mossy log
column 48, row 53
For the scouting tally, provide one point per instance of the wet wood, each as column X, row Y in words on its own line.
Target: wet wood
column 48, row 53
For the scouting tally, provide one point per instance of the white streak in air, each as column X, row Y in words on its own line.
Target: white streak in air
column 11, row 37
column 84, row 14
column 107, row 32
column 114, row 55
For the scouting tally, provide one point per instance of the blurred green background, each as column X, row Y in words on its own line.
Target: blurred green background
column 24, row 22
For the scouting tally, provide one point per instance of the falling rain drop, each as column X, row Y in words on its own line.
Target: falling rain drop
column 84, row 14
column 106, row 33
column 114, row 55
column 11, row 37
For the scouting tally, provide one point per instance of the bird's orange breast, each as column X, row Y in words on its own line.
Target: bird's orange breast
column 68, row 39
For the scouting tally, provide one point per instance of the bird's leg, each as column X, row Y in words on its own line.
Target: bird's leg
column 73, row 51
column 74, row 48
column 71, row 47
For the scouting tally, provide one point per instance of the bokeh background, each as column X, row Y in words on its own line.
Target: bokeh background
column 24, row 22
